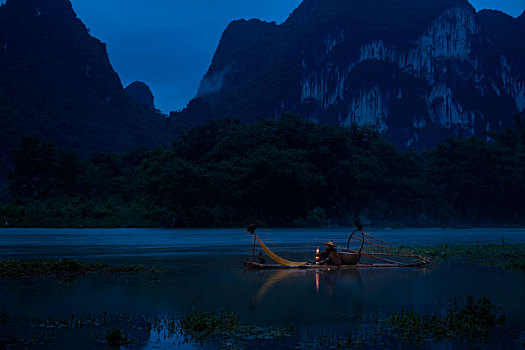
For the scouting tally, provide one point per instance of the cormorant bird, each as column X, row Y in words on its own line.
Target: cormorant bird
column 261, row 258
column 358, row 224
column 252, row 227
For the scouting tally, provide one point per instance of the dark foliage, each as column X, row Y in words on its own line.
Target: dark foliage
column 280, row 172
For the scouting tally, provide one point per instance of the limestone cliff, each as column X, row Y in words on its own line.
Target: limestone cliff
column 418, row 71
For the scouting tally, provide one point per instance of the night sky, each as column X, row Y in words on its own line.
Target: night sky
column 169, row 44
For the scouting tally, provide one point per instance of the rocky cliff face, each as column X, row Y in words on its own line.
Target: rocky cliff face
column 56, row 83
column 418, row 72
column 141, row 93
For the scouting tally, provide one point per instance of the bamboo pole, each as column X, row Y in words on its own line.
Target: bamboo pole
column 253, row 251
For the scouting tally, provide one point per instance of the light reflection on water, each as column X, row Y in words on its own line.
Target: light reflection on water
column 206, row 273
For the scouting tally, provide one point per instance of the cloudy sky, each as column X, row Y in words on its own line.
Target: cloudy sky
column 169, row 44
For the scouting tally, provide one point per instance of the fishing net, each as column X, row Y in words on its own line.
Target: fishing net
column 276, row 257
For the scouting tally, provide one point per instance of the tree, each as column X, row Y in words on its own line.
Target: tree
column 68, row 171
column 32, row 176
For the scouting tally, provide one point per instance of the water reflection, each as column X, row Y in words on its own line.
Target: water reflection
column 273, row 279
column 326, row 279
column 348, row 279
column 159, row 340
column 301, row 294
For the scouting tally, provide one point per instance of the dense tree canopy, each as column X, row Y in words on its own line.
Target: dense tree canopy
column 282, row 172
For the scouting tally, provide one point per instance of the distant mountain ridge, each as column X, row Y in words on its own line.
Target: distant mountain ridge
column 417, row 70
column 56, row 82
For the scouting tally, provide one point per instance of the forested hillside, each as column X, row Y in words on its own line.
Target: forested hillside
column 286, row 172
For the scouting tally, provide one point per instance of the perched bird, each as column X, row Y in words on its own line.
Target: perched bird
column 252, row 227
column 358, row 224
column 261, row 259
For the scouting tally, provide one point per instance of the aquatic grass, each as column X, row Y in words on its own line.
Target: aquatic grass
column 73, row 322
column 63, row 268
column 508, row 256
column 224, row 328
column 203, row 325
column 111, row 330
column 115, row 338
column 45, row 338
column 473, row 324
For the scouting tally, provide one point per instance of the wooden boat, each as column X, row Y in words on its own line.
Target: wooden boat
column 373, row 253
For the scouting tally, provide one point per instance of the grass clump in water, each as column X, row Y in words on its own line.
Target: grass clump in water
column 62, row 268
column 201, row 326
column 225, row 329
column 471, row 323
column 115, row 338
column 509, row 256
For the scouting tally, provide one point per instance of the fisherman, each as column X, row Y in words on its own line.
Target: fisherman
column 330, row 256
column 261, row 259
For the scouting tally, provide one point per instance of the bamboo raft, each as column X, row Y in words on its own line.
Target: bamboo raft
column 377, row 253
column 258, row 266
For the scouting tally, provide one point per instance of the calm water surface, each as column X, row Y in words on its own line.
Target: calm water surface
column 206, row 273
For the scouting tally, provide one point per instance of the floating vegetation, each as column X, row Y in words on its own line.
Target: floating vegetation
column 225, row 329
column 63, row 268
column 509, row 256
column 43, row 338
column 115, row 338
column 73, row 322
column 109, row 330
column 473, row 324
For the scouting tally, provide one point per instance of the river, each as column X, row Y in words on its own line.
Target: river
column 205, row 272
